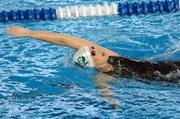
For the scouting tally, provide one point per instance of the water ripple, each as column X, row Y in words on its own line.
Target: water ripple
column 38, row 80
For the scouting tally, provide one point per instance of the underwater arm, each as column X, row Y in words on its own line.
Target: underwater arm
column 102, row 82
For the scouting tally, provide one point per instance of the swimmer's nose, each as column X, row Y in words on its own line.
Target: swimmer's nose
column 103, row 54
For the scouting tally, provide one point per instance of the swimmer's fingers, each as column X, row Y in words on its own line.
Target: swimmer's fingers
column 11, row 30
column 18, row 31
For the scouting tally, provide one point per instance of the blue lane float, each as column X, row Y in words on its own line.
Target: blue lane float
column 35, row 14
column 151, row 7
column 122, row 9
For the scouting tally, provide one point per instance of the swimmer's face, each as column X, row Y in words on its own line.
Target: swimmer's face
column 99, row 57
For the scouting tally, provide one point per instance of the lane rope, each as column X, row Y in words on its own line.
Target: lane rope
column 105, row 9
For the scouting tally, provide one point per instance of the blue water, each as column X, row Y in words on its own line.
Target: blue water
column 38, row 80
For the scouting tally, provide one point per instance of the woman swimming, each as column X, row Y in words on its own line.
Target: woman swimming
column 92, row 55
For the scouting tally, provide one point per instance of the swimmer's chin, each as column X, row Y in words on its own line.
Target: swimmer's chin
column 105, row 68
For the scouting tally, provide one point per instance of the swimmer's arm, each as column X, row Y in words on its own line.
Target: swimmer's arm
column 102, row 82
column 60, row 39
column 55, row 38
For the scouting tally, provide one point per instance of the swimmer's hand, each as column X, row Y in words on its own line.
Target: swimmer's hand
column 18, row 31
column 115, row 104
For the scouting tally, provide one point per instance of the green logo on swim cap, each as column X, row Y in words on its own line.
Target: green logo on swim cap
column 81, row 62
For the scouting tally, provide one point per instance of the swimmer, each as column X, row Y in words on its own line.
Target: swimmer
column 109, row 62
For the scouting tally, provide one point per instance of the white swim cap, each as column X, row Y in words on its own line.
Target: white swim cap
column 82, row 57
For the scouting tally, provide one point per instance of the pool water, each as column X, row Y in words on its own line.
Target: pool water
column 39, row 80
